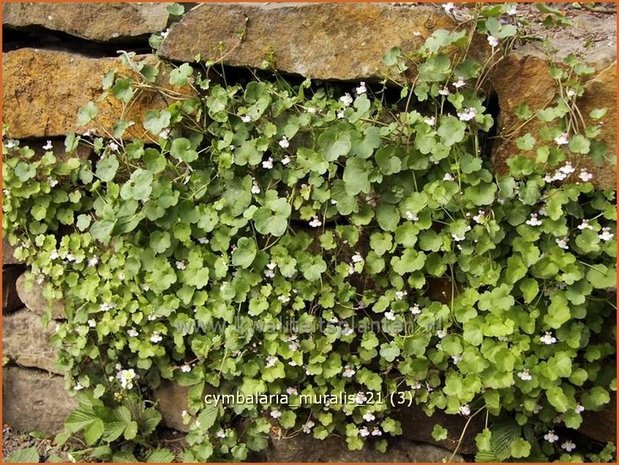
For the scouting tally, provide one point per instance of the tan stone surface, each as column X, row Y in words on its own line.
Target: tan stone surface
column 321, row 41
column 89, row 20
column 304, row 448
column 27, row 343
column 523, row 77
column 33, row 299
column 33, row 400
column 44, row 90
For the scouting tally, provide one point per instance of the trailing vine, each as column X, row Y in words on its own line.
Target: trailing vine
column 287, row 239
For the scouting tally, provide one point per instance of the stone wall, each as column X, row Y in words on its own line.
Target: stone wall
column 56, row 54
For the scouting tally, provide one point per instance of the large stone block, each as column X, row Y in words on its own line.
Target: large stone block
column 417, row 426
column 31, row 294
column 316, row 40
column 44, row 90
column 523, row 77
column 26, row 342
column 92, row 21
column 304, row 448
column 33, row 400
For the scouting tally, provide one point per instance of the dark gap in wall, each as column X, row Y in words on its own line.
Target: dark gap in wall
column 488, row 138
column 45, row 39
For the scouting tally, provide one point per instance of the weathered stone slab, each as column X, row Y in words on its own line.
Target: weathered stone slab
column 316, row 40
column 27, row 343
column 304, row 448
column 44, row 90
column 417, row 427
column 92, row 21
column 33, row 299
column 524, row 78
column 33, row 400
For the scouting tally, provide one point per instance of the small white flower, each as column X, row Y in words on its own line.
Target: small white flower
column 255, row 188
column 291, row 391
column 185, row 368
column 271, row 265
column 283, row 299
column 220, row 434
column 348, row 372
column 456, row 358
column 246, row 118
column 104, row 307
column 448, row 7
column 180, row 265
column 459, row 83
column 458, row 238
column 551, row 437
column 493, row 41
column 369, row 417
column 48, row 145
column 441, row 333
column 567, row 168
column 548, row 338
column 340, row 114
column 480, row 217
column 269, row 273
column 307, row 427
column 562, row 243
column 203, row 240
column 275, row 413
column 570, row 93
column 164, row 134
column 360, row 398
column 132, row 333
column 113, row 146
column 93, row 261
column 415, row 310
column 400, row 294
column 584, row 225
column 126, row 378
column 271, row 361
column 78, row 387
column 53, row 182
column 562, row 139
column 361, row 89
column 444, row 91
column 346, row 99
column 285, row 160
column 411, row 216
column 11, row 143
column 512, row 11
column 364, row 432
column 390, row 316
column 606, row 235
column 156, row 338
column 534, row 220
column 465, row 410
column 268, row 163
column 54, row 255
column 524, row 375
column 448, row 177
column 311, row 110
column 579, row 408
column 430, row 121
column 284, row 143
column 92, row 323
column 356, row 258
column 315, row 223
column 568, row 446
column 468, row 114
column 585, row 176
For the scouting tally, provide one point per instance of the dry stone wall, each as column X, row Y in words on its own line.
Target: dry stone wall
column 45, row 82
